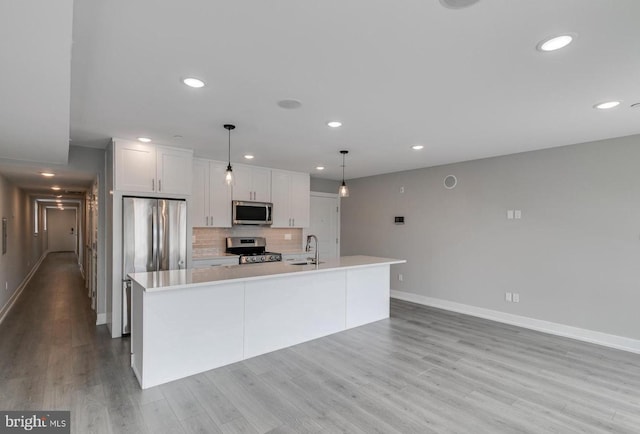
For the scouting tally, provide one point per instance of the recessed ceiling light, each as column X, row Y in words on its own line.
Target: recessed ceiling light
column 607, row 105
column 47, row 174
column 55, row 188
column 417, row 147
column 334, row 124
column 555, row 43
column 144, row 139
column 193, row 82
column 320, row 168
column 248, row 156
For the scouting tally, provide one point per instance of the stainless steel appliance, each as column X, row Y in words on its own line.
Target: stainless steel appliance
column 252, row 213
column 251, row 250
column 154, row 238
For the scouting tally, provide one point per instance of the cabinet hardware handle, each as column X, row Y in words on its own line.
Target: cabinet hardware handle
column 159, row 185
column 207, row 224
column 153, row 185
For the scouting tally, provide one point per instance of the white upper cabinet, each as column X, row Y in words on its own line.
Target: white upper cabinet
column 200, row 193
column 290, row 194
column 135, row 166
column 211, row 197
column 152, row 169
column 251, row 183
column 172, row 170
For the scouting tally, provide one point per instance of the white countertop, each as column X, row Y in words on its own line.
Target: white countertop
column 179, row 279
column 218, row 256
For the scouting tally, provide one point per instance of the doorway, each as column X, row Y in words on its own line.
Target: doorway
column 325, row 223
column 62, row 233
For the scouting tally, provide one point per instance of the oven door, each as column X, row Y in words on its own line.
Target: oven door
column 252, row 213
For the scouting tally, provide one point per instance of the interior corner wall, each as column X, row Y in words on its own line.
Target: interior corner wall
column 574, row 256
column 324, row 185
column 24, row 250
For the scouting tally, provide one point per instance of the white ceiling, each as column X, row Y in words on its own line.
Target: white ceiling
column 467, row 83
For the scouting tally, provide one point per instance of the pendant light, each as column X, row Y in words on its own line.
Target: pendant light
column 344, row 190
column 228, row 177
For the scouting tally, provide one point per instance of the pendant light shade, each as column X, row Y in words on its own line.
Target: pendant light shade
column 343, row 190
column 228, row 176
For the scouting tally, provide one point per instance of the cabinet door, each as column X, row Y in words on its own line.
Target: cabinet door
column 200, row 193
column 173, row 166
column 281, row 198
column 261, row 181
column 135, row 167
column 219, row 196
column 300, row 200
column 242, row 182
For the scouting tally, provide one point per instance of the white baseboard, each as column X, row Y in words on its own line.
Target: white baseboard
column 101, row 318
column 591, row 336
column 14, row 297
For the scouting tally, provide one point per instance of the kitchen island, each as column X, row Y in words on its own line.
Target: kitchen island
column 189, row 321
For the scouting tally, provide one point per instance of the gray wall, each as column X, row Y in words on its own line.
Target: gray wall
column 324, row 185
column 574, row 257
column 23, row 248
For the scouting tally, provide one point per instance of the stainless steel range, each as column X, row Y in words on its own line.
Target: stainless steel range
column 251, row 250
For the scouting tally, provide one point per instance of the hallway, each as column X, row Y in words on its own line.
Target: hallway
column 54, row 357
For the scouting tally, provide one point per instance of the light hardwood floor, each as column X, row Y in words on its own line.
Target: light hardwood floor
column 424, row 370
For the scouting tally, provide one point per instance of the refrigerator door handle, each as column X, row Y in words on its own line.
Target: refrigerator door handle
column 154, row 230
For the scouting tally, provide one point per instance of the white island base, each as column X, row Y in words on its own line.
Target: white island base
column 190, row 321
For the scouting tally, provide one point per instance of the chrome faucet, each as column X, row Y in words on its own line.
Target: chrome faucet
column 316, row 260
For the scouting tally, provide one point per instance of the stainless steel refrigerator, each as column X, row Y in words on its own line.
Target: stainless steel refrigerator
column 154, row 238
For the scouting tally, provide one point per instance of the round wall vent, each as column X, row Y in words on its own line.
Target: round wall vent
column 450, row 181
column 457, row 4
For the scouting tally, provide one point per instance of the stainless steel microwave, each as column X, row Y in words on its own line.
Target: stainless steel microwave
column 252, row 213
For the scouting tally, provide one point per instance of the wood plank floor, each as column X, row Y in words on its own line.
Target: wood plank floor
column 422, row 371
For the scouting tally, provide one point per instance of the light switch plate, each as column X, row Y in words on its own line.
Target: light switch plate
column 517, row 214
column 507, row 296
column 509, row 214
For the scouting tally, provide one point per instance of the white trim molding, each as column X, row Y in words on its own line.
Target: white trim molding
column 591, row 336
column 101, row 318
column 4, row 311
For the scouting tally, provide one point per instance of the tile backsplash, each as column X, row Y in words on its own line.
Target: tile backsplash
column 211, row 241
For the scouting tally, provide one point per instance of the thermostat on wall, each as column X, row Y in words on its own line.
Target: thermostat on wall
column 399, row 220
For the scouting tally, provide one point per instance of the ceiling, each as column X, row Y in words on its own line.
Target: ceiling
column 466, row 83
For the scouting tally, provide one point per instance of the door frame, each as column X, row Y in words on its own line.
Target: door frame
column 336, row 196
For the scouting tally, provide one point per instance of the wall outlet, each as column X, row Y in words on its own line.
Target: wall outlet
column 507, row 296
column 402, row 189
column 400, row 277
column 516, row 297
column 287, row 236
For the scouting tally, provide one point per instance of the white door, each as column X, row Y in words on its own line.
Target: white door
column 325, row 223
column 61, row 230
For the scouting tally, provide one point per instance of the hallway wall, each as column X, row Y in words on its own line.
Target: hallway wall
column 24, row 249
